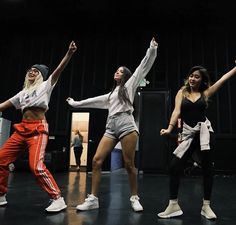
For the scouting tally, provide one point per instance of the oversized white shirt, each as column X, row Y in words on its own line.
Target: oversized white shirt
column 112, row 103
column 39, row 97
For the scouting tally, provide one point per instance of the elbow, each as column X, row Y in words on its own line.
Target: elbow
column 3, row 107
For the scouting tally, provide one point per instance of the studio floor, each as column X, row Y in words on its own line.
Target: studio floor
column 26, row 201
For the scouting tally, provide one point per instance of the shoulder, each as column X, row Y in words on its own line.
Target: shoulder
column 48, row 83
column 20, row 93
column 180, row 92
column 206, row 93
column 179, row 96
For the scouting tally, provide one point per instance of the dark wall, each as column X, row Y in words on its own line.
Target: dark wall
column 114, row 33
column 91, row 69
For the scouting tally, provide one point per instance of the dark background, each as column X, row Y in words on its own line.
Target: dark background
column 109, row 34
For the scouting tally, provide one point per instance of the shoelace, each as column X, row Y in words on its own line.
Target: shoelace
column 50, row 201
column 89, row 198
column 136, row 198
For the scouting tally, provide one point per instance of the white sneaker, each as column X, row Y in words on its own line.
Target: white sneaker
column 172, row 210
column 91, row 202
column 56, row 205
column 137, row 207
column 207, row 211
column 3, row 200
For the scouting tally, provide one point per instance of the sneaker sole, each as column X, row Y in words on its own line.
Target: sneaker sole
column 209, row 218
column 91, row 208
column 139, row 210
column 177, row 213
column 3, row 203
column 58, row 210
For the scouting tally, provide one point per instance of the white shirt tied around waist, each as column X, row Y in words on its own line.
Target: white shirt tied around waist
column 188, row 134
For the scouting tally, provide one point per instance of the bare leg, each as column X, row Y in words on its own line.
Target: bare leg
column 128, row 144
column 105, row 146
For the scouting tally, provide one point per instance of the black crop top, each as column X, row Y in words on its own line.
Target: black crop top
column 193, row 112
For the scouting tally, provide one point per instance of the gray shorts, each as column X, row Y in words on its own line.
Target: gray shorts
column 119, row 125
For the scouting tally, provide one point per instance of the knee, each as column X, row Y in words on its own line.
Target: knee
column 97, row 163
column 129, row 166
column 174, row 170
column 3, row 160
column 4, row 166
column 36, row 170
column 4, row 163
column 208, row 171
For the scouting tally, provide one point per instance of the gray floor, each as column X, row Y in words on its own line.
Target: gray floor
column 26, row 201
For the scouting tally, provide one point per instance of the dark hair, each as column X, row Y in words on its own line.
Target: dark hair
column 205, row 83
column 122, row 92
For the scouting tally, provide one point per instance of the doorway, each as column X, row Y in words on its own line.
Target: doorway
column 80, row 121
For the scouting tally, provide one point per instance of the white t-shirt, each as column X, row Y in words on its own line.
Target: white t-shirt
column 40, row 97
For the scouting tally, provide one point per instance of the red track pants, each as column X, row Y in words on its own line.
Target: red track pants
column 31, row 135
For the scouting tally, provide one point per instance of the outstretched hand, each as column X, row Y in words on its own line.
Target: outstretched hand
column 154, row 43
column 72, row 47
column 70, row 101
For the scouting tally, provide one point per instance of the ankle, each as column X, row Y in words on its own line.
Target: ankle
column 173, row 201
column 206, row 202
column 93, row 196
column 134, row 196
column 57, row 197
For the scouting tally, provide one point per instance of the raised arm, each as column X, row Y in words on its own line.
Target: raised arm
column 57, row 72
column 175, row 114
column 145, row 65
column 5, row 105
column 217, row 85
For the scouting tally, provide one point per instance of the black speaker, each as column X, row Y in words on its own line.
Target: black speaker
column 151, row 117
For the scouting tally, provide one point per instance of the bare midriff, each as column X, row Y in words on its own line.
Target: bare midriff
column 34, row 113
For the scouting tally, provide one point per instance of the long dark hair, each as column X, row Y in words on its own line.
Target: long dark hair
column 122, row 92
column 205, row 83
